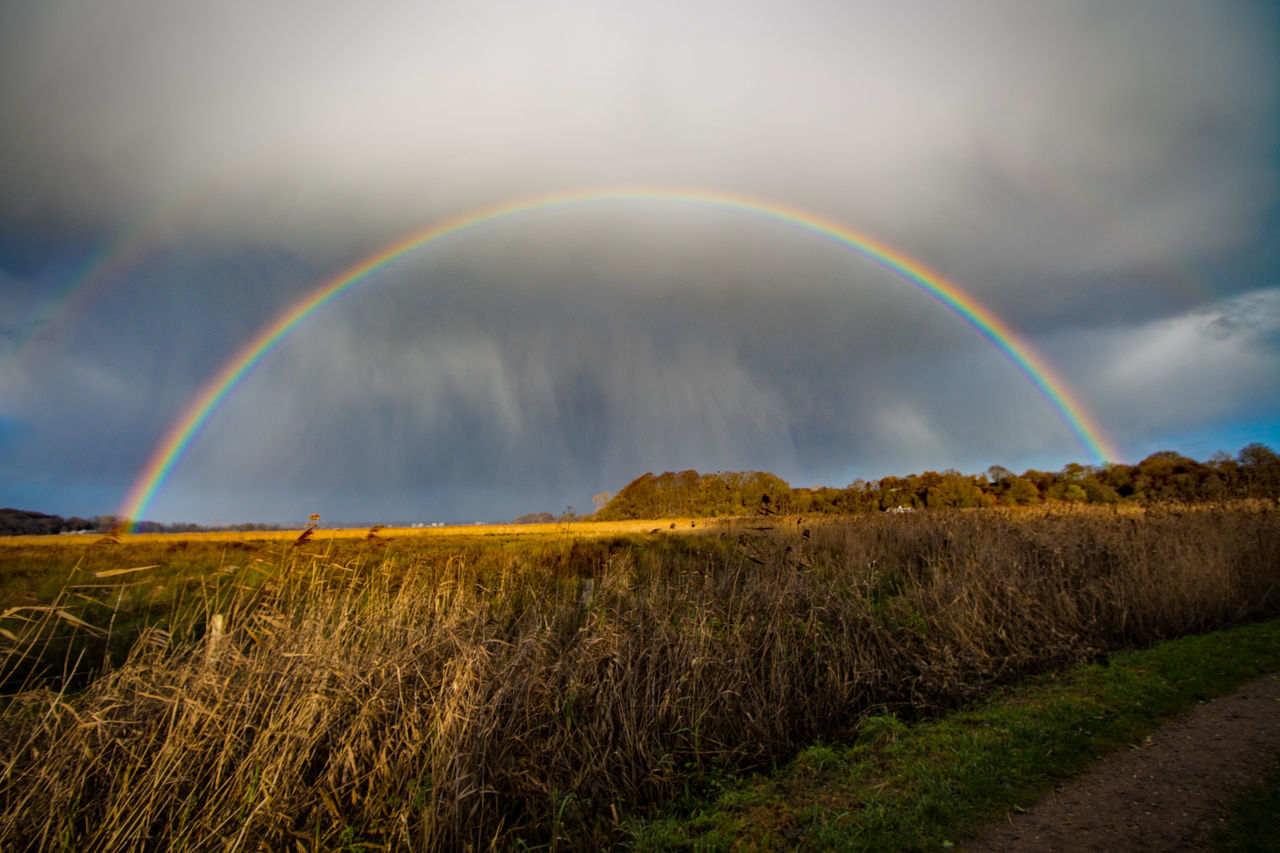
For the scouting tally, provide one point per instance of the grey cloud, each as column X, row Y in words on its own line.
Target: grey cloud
column 1055, row 159
column 407, row 386
column 1217, row 363
column 1147, row 122
column 484, row 398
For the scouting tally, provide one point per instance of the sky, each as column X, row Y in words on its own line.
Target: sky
column 1102, row 177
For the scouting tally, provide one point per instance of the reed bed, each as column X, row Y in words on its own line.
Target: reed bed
column 544, row 696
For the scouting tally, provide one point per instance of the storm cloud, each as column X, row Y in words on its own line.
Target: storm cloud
column 1102, row 176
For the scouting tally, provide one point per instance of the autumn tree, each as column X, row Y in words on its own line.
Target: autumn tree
column 1259, row 470
column 953, row 490
column 1020, row 490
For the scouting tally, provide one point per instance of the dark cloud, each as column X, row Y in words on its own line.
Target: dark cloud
column 1102, row 176
column 302, row 120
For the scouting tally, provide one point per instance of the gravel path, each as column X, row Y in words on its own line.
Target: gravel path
column 1169, row 794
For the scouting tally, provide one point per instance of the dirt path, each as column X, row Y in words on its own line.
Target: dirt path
column 1169, row 794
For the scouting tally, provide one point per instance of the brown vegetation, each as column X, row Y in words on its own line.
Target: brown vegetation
column 435, row 700
column 1163, row 477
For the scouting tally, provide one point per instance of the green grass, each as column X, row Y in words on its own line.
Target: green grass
column 1255, row 820
column 925, row 786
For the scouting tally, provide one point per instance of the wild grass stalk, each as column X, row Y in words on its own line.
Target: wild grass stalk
column 487, row 697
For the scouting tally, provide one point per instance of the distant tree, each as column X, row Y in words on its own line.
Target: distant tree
column 20, row 522
column 1097, row 491
column 1168, row 476
column 1226, row 467
column 1042, row 480
column 954, row 491
column 1258, row 455
column 637, row 499
column 1162, row 476
column 1259, row 470
column 894, row 492
column 108, row 523
column 860, row 496
column 1119, row 478
column 534, row 518
column 1074, row 493
column 1020, row 490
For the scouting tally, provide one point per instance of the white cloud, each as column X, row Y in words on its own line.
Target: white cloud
column 1214, row 365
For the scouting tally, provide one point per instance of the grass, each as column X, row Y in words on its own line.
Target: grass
column 928, row 785
column 420, row 692
column 51, row 587
column 36, row 570
column 1254, row 825
column 451, row 535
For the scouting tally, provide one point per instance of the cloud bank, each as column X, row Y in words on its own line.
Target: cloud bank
column 1103, row 176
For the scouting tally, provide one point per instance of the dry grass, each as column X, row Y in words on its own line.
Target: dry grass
column 546, row 691
column 449, row 534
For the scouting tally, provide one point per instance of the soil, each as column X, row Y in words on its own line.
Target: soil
column 1168, row 794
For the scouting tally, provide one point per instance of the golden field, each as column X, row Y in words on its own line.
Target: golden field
column 452, row 533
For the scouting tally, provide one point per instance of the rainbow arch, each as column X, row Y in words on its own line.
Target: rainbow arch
column 177, row 438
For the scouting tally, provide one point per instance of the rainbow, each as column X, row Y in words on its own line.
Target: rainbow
column 62, row 308
column 126, row 247
column 166, row 454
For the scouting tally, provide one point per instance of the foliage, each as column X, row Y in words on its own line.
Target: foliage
column 17, row 522
column 1163, row 477
column 690, row 494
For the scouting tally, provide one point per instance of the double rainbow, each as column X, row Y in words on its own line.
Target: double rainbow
column 166, row 455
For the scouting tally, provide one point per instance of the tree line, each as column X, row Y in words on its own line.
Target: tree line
column 15, row 522
column 1166, row 476
column 23, row 522
column 1162, row 477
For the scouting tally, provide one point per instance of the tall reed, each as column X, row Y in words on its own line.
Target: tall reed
column 546, row 694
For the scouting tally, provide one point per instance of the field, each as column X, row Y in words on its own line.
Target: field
column 56, row 590
column 544, row 685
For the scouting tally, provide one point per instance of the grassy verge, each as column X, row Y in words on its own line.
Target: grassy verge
column 925, row 786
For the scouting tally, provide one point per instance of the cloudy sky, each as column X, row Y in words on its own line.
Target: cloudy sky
column 1102, row 176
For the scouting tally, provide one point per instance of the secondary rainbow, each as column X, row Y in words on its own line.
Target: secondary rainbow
column 167, row 453
column 126, row 248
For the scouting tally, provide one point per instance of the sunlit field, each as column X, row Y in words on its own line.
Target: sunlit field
column 61, row 588
column 449, row 534
column 544, row 685
column 35, row 569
